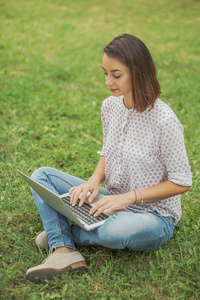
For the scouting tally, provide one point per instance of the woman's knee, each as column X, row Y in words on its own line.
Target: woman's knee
column 137, row 232
column 112, row 230
column 40, row 173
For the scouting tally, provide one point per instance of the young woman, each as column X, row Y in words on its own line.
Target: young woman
column 143, row 162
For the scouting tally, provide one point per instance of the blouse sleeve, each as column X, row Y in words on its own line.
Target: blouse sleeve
column 105, row 125
column 173, row 152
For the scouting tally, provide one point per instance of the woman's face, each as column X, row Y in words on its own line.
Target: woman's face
column 118, row 79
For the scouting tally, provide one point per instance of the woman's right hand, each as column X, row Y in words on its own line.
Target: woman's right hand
column 92, row 186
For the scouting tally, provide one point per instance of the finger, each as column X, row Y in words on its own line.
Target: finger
column 83, row 197
column 71, row 192
column 72, row 189
column 75, row 195
column 93, row 195
column 97, row 206
column 100, row 206
column 101, row 210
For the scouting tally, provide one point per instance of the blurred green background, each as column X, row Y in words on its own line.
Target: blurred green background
column 51, row 91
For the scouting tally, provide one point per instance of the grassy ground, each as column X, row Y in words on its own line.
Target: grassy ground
column 51, row 89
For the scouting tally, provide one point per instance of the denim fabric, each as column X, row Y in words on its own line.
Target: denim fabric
column 137, row 231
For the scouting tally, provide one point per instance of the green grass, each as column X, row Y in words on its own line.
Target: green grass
column 51, row 89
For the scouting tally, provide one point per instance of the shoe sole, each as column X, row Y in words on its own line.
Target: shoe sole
column 48, row 273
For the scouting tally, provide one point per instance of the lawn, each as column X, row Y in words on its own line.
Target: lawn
column 51, row 91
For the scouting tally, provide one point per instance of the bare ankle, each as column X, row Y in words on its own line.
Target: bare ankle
column 64, row 250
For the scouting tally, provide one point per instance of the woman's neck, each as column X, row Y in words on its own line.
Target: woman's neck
column 129, row 103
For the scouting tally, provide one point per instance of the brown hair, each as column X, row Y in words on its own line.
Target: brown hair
column 133, row 53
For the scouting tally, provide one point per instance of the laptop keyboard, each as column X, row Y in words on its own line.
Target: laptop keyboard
column 83, row 212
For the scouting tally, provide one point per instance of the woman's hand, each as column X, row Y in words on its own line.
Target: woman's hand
column 110, row 203
column 92, row 186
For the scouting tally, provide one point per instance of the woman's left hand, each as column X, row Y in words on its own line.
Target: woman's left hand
column 110, row 203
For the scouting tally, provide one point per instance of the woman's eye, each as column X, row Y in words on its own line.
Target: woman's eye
column 113, row 75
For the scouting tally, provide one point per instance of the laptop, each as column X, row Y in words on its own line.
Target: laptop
column 61, row 203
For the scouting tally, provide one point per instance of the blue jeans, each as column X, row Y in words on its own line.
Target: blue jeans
column 137, row 231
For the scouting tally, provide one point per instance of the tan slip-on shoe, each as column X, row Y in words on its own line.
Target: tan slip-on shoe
column 57, row 264
column 41, row 240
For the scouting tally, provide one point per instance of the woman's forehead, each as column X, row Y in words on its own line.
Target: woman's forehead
column 112, row 64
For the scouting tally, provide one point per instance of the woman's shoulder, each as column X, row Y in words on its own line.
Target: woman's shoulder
column 163, row 111
column 164, row 116
column 111, row 102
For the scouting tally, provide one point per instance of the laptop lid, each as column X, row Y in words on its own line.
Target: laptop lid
column 57, row 203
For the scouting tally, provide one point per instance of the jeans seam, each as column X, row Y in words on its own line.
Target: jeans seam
column 160, row 236
column 62, row 244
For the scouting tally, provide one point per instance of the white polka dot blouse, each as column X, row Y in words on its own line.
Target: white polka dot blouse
column 142, row 150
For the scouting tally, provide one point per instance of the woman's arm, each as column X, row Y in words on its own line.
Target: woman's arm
column 99, row 173
column 160, row 191
column 92, row 185
column 152, row 194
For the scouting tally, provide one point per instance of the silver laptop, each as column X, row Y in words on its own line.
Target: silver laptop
column 61, row 203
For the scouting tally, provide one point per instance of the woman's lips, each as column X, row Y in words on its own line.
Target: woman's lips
column 113, row 90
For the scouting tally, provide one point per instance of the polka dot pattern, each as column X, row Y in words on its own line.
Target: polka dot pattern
column 142, row 150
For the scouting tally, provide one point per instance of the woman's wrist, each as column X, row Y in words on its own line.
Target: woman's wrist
column 95, row 178
column 137, row 197
column 135, row 194
column 141, row 196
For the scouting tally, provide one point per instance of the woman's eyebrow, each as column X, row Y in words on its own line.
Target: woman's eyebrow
column 116, row 70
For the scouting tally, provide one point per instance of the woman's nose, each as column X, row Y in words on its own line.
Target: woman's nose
column 108, row 81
